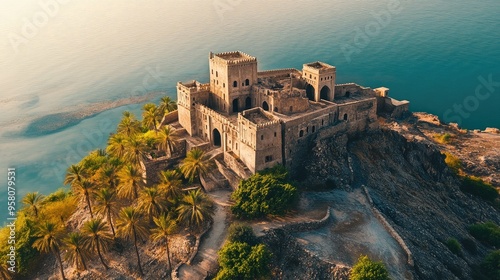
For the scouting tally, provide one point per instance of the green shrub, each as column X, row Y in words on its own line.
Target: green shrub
column 479, row 188
column 261, row 195
column 278, row 172
column 366, row 269
column 453, row 162
column 239, row 260
column 454, row 246
column 443, row 138
column 491, row 265
column 241, row 233
column 487, row 233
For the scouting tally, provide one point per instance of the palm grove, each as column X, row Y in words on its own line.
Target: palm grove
column 121, row 209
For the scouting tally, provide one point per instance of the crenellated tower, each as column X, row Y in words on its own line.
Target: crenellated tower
column 320, row 78
column 232, row 75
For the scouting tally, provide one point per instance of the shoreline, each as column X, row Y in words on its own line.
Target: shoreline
column 73, row 115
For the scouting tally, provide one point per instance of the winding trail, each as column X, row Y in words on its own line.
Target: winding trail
column 206, row 259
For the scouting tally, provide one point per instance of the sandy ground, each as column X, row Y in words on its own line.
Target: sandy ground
column 354, row 231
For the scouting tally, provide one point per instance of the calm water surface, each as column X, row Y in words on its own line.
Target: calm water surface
column 433, row 53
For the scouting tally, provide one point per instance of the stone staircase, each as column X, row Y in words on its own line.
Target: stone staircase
column 215, row 180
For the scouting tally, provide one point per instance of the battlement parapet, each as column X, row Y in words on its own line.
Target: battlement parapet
column 277, row 72
column 213, row 114
column 193, row 86
column 267, row 124
column 353, row 85
column 258, row 118
column 232, row 58
column 319, row 67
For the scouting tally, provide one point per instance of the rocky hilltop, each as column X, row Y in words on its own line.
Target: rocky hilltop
column 402, row 165
column 387, row 193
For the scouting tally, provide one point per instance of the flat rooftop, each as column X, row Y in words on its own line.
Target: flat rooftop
column 319, row 65
column 257, row 117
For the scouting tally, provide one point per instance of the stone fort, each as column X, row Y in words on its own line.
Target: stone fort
column 258, row 119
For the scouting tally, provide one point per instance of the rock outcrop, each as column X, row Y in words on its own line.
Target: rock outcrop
column 414, row 189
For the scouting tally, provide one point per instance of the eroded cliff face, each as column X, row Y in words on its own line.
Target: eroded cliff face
column 413, row 188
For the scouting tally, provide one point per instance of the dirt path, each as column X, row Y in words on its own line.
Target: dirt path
column 354, row 231
column 206, row 259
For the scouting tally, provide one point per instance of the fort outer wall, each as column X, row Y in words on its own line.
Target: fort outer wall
column 348, row 119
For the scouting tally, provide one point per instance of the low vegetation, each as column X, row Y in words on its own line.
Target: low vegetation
column 487, row 233
column 491, row 265
column 479, row 188
column 444, row 138
column 366, row 269
column 242, row 258
column 453, row 162
column 454, row 246
column 471, row 184
column 265, row 193
column 54, row 209
column 241, row 233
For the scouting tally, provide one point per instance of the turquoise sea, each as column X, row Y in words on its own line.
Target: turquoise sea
column 441, row 55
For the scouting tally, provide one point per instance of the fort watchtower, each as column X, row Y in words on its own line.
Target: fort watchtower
column 320, row 78
column 232, row 75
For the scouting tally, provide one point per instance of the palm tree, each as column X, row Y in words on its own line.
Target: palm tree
column 98, row 238
column 4, row 273
column 170, row 184
column 131, row 182
column 117, row 145
column 76, row 252
column 151, row 203
column 150, row 116
column 195, row 208
column 48, row 237
column 93, row 161
column 167, row 139
column 108, row 174
column 166, row 106
column 131, row 226
column 107, row 205
column 128, row 126
column 135, row 150
column 75, row 174
column 164, row 228
column 84, row 189
column 33, row 199
column 195, row 165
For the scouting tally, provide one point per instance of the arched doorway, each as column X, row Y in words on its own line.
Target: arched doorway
column 235, row 105
column 265, row 106
column 310, row 92
column 248, row 103
column 216, row 138
column 325, row 93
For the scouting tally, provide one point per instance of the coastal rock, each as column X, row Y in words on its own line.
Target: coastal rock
column 492, row 130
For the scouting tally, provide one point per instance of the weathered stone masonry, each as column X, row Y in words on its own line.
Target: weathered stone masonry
column 259, row 119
